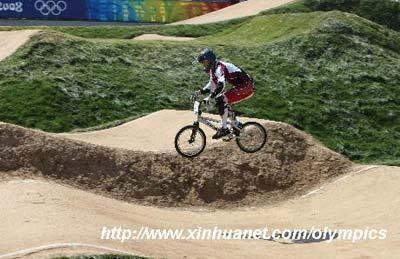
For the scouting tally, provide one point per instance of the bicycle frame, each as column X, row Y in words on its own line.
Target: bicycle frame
column 208, row 122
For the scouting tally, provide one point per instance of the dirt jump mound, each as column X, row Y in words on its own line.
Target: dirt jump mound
column 291, row 163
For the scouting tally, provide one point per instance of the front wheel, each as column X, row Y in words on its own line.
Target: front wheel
column 252, row 137
column 190, row 141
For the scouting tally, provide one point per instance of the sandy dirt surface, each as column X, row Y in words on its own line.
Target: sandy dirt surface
column 161, row 37
column 247, row 8
column 154, row 132
column 39, row 213
column 59, row 191
column 10, row 41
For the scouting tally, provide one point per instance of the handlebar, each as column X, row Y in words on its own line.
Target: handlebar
column 195, row 96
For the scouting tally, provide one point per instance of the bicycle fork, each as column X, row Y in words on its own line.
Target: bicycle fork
column 194, row 132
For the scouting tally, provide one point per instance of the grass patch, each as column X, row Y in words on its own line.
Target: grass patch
column 72, row 83
column 265, row 29
column 293, row 7
column 384, row 12
column 332, row 74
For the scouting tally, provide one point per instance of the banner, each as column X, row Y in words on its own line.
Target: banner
column 160, row 11
column 43, row 9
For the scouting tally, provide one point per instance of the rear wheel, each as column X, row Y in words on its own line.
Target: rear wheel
column 190, row 141
column 252, row 137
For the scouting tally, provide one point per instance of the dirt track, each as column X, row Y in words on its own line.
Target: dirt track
column 161, row 37
column 47, row 213
column 293, row 161
column 154, row 132
column 10, row 41
column 247, row 8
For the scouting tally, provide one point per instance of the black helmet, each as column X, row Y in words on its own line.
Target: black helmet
column 207, row 54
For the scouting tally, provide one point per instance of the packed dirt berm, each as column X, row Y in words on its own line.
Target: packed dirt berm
column 290, row 163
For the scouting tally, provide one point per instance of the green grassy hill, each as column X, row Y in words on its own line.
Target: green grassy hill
column 263, row 29
column 384, row 12
column 332, row 74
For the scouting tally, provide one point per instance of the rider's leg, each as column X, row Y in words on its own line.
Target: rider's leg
column 224, row 123
column 231, row 113
column 235, row 95
column 223, row 112
column 238, row 94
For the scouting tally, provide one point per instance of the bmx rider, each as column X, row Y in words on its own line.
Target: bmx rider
column 222, row 73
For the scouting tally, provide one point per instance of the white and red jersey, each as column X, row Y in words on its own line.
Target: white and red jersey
column 224, row 72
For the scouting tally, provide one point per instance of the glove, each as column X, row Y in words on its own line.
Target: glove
column 205, row 91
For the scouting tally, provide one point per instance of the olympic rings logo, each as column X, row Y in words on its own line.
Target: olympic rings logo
column 50, row 7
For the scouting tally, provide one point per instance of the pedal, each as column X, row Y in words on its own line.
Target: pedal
column 236, row 132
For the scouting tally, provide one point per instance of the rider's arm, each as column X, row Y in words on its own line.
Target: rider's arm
column 206, row 89
column 219, row 73
column 220, row 87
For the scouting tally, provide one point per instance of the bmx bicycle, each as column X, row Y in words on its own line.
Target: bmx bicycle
column 190, row 141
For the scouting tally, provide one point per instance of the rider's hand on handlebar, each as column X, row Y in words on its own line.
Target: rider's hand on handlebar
column 194, row 95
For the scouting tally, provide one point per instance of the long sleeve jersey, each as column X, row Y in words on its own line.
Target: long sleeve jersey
column 222, row 73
